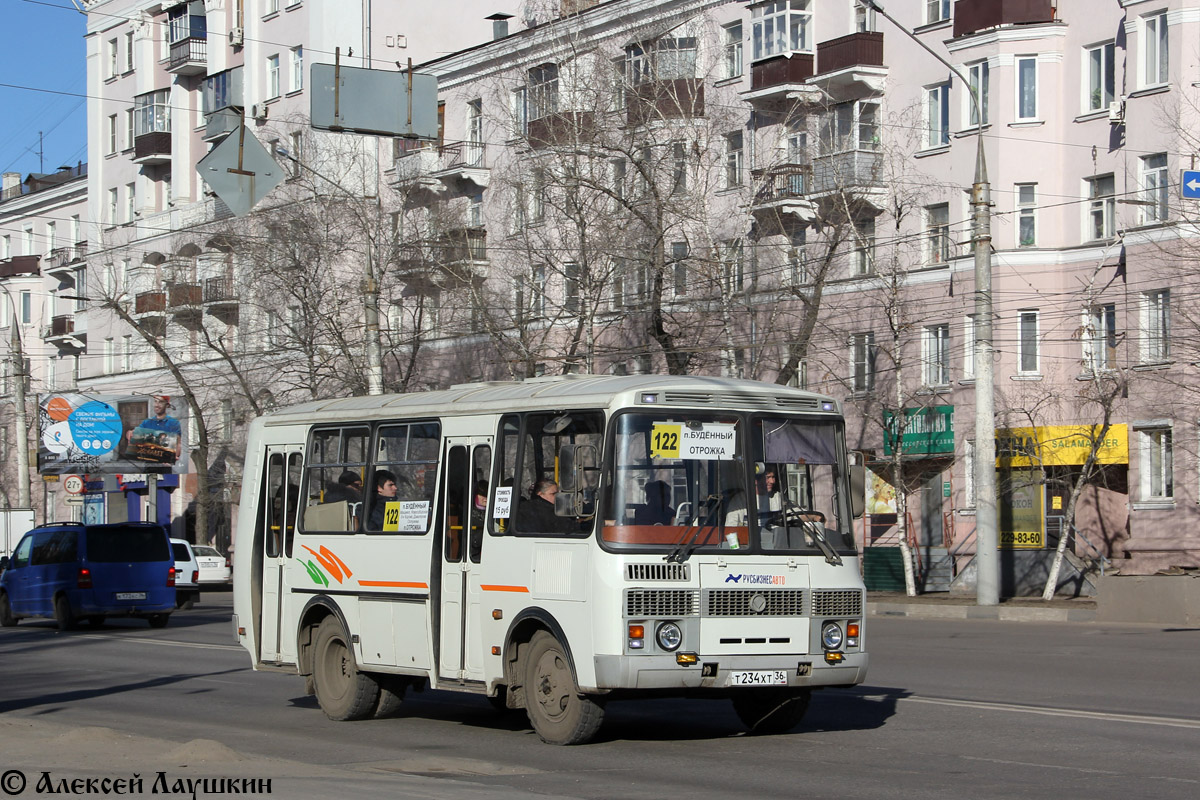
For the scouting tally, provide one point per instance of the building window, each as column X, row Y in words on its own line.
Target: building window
column 1102, row 207
column 152, row 112
column 112, row 59
column 297, row 64
column 1101, row 77
column 543, row 91
column 26, row 307
column 733, row 266
column 733, row 50
column 733, row 159
column 1156, row 326
column 969, row 347
column 110, row 365
column 1157, row 463
column 679, row 254
column 1026, row 214
column 272, row 76
column 270, row 7
column 937, row 116
column 112, row 134
column 129, row 128
column 537, row 299
column 112, row 206
column 127, row 353
column 781, row 28
column 1154, row 188
column 227, row 419
column 980, row 78
column 130, row 201
column 1027, row 107
column 1027, row 342
column 937, row 221
column 129, row 51
column 849, row 126
column 862, row 362
column 1155, row 56
column 678, row 167
column 864, row 247
column 571, row 288
column 520, row 111
column 797, row 257
column 664, row 59
column 935, row 355
column 51, row 237
column 474, row 155
column 936, row 11
column 1100, row 338
column 864, row 19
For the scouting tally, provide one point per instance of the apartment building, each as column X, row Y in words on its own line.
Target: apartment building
column 777, row 189
column 43, row 250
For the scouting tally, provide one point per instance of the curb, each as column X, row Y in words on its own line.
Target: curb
column 957, row 611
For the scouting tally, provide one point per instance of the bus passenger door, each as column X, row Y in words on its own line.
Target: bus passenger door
column 280, row 499
column 468, row 461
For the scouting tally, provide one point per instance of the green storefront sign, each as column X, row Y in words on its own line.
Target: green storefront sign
column 927, row 431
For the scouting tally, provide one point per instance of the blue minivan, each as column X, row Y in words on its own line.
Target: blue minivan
column 70, row 571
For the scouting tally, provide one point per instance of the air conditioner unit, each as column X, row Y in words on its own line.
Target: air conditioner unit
column 237, row 37
column 259, row 111
column 1116, row 112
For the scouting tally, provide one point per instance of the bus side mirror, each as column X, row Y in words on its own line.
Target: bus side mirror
column 858, row 491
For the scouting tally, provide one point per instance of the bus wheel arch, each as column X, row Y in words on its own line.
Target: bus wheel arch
column 315, row 611
column 520, row 632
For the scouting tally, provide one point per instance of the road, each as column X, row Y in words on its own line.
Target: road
column 980, row 708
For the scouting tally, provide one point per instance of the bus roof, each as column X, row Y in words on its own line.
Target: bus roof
column 561, row 392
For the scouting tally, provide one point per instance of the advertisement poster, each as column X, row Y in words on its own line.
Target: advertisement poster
column 881, row 495
column 80, row 433
column 1021, row 510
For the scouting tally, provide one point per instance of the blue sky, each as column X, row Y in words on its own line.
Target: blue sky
column 42, row 50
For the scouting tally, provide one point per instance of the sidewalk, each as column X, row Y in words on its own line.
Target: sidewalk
column 943, row 605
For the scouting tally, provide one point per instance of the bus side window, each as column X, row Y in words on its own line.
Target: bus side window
column 273, row 545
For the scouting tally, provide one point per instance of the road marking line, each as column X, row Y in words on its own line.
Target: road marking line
column 1172, row 722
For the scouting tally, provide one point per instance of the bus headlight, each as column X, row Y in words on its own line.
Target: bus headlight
column 669, row 636
column 831, row 635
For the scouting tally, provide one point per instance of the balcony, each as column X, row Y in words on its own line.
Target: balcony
column 152, row 148
column 461, row 167
column 660, row 100
column 63, row 262
column 782, row 78
column 561, row 128
column 61, row 333
column 851, row 65
column 19, row 266
column 220, row 300
column 150, row 311
column 857, row 171
column 781, row 201
column 189, row 56
column 462, row 254
column 221, row 123
column 413, row 176
column 971, row 16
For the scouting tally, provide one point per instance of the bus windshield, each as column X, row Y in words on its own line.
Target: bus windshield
column 738, row 483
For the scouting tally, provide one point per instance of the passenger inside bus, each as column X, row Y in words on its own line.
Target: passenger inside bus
column 657, row 510
column 536, row 515
column 478, row 514
column 385, row 490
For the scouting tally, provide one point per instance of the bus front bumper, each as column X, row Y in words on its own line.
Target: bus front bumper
column 717, row 672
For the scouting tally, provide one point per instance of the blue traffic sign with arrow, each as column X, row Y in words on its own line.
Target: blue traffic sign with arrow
column 1189, row 185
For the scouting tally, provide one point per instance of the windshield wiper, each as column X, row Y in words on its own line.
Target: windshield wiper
column 815, row 531
column 689, row 545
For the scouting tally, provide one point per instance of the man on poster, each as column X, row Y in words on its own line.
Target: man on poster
column 158, row 438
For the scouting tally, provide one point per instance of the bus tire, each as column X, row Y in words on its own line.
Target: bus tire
column 391, row 695
column 771, row 711
column 343, row 692
column 558, row 712
column 7, row 619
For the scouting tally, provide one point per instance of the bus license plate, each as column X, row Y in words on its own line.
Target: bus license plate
column 769, row 677
column 131, row 595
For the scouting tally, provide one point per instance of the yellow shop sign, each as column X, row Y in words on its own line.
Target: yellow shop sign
column 1059, row 446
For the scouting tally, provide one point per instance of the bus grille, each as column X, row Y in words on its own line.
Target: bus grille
column 741, row 603
column 656, row 572
column 662, row 602
column 837, row 603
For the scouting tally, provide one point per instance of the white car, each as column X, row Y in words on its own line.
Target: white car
column 187, row 574
column 214, row 567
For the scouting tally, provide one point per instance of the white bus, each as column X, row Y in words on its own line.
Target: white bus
column 555, row 544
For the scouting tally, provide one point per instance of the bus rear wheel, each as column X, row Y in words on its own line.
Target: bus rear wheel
column 558, row 712
column 343, row 692
column 771, row 710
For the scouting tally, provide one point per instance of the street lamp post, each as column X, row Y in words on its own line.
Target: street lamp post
column 18, row 371
column 987, row 559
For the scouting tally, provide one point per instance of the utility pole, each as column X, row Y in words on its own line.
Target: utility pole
column 18, row 371
column 987, row 556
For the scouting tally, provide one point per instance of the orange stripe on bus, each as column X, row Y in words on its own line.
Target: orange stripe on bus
column 493, row 588
column 396, row 584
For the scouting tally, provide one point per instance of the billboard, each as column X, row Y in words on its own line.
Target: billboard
column 80, row 433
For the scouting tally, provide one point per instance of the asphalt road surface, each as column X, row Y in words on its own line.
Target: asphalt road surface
column 980, row 709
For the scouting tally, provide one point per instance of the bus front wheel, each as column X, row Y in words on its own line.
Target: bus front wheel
column 771, row 710
column 343, row 692
column 558, row 712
